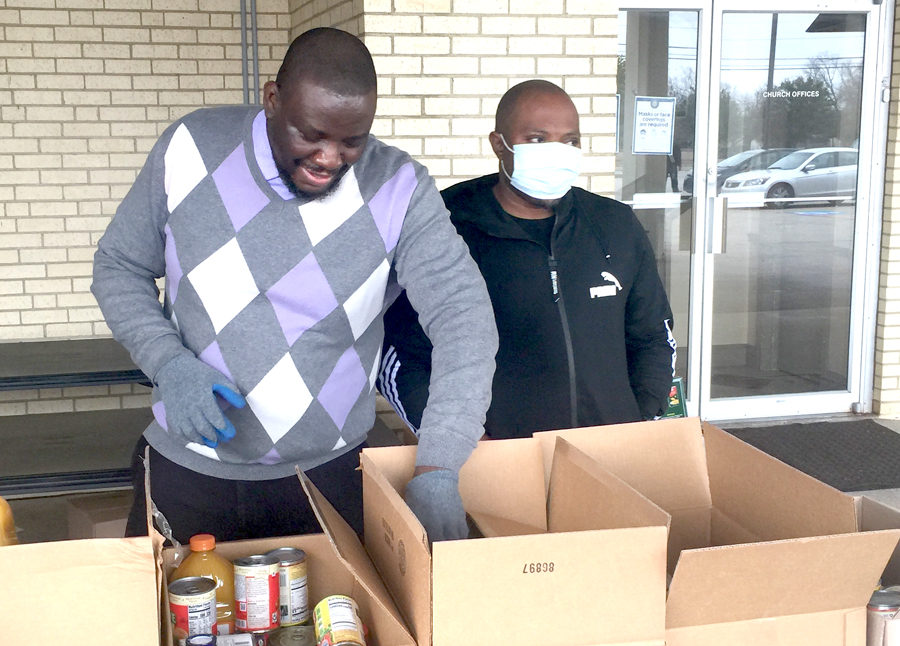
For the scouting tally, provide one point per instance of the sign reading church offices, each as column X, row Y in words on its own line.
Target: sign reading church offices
column 788, row 94
column 654, row 125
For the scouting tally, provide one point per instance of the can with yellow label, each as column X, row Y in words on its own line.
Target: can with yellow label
column 337, row 622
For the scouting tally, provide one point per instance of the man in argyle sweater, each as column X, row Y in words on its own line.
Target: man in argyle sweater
column 283, row 234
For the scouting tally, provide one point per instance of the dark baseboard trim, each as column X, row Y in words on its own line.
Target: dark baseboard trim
column 54, row 484
column 73, row 380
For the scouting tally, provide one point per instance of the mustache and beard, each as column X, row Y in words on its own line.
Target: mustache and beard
column 303, row 195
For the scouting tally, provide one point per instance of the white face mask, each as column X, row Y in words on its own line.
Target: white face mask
column 543, row 171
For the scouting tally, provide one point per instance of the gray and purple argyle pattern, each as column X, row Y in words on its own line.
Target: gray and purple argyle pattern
column 283, row 297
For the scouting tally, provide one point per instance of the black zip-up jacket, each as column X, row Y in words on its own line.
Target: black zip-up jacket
column 585, row 327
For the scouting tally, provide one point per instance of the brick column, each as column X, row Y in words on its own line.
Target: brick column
column 887, row 344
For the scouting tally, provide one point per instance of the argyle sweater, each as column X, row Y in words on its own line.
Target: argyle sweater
column 285, row 297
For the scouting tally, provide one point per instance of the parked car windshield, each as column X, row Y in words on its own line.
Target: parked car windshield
column 791, row 161
column 735, row 160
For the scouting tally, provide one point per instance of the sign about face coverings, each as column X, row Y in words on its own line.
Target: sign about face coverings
column 654, row 125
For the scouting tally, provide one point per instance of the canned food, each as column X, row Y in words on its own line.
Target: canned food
column 337, row 622
column 192, row 604
column 882, row 607
column 293, row 636
column 256, row 596
column 244, row 639
column 293, row 596
column 201, row 640
column 241, row 639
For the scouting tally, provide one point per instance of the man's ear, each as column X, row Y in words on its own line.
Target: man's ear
column 497, row 144
column 270, row 98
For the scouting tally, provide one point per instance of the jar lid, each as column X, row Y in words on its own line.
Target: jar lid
column 203, row 542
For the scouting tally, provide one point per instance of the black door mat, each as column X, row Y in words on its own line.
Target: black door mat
column 851, row 456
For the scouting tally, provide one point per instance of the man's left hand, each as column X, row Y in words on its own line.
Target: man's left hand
column 434, row 498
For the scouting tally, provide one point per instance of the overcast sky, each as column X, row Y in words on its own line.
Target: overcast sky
column 745, row 46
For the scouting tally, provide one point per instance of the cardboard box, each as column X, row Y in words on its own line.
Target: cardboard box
column 761, row 553
column 337, row 564
column 99, row 515
column 72, row 593
column 111, row 592
column 873, row 515
column 581, row 563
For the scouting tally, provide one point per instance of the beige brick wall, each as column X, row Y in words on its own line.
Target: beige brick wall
column 887, row 344
column 342, row 14
column 444, row 64
column 86, row 87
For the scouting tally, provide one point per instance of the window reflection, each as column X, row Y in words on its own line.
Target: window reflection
column 792, row 81
column 789, row 117
column 658, row 60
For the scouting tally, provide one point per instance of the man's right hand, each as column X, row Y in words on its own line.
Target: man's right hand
column 188, row 388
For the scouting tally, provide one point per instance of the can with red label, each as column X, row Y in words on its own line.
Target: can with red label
column 192, row 603
column 256, row 593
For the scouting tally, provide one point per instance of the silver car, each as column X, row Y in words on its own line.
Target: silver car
column 812, row 172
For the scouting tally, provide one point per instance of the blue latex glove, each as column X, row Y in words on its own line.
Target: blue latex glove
column 434, row 498
column 188, row 388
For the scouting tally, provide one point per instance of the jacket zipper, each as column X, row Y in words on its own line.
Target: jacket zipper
column 570, row 356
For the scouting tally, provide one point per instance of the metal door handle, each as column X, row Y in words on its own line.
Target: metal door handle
column 718, row 225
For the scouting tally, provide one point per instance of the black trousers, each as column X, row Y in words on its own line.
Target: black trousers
column 230, row 510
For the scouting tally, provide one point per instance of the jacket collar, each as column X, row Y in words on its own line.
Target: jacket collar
column 473, row 202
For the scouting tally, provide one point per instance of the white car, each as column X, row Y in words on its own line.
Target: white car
column 812, row 172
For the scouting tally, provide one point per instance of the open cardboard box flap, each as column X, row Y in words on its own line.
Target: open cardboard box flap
column 584, row 496
column 515, row 467
column 398, row 537
column 98, row 590
column 351, row 553
column 649, row 456
column 483, row 581
column 872, row 516
column 790, row 577
column 766, row 497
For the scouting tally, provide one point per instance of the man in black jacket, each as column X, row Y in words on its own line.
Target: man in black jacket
column 584, row 322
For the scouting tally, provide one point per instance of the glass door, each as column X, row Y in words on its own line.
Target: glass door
column 788, row 209
column 659, row 145
column 749, row 146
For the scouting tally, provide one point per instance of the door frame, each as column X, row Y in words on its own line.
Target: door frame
column 692, row 380
column 867, row 227
column 866, row 246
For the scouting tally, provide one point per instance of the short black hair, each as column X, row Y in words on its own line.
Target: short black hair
column 331, row 59
column 510, row 101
